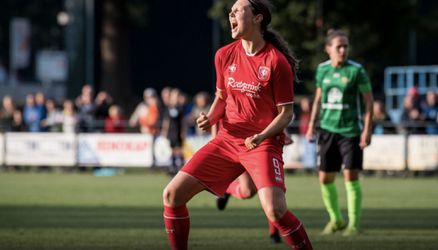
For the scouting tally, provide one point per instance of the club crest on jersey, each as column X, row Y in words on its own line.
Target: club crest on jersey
column 264, row 73
column 232, row 68
column 345, row 80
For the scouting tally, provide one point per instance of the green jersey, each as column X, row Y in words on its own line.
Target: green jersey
column 341, row 97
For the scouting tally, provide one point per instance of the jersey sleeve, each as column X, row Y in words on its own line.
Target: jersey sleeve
column 318, row 77
column 219, row 71
column 283, row 83
column 363, row 81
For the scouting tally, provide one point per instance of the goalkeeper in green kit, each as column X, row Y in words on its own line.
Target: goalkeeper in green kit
column 343, row 100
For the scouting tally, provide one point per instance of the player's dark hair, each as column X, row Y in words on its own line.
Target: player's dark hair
column 332, row 34
column 263, row 7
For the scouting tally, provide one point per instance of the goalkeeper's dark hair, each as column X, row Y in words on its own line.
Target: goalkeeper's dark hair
column 332, row 34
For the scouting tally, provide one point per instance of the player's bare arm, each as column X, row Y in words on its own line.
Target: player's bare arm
column 280, row 122
column 217, row 110
column 314, row 113
column 365, row 138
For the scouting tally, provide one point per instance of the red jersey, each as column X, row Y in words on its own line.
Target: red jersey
column 253, row 87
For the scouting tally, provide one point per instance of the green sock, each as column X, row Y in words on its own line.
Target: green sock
column 330, row 198
column 354, row 198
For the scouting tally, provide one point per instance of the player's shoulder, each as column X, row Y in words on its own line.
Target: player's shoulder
column 227, row 49
column 354, row 64
column 324, row 65
column 275, row 55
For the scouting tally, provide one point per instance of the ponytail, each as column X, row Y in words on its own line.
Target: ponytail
column 273, row 37
column 278, row 42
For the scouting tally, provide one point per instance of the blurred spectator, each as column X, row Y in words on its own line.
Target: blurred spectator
column 150, row 119
column 430, row 112
column 414, row 96
column 165, row 97
column 103, row 102
column 309, row 156
column 40, row 103
column 6, row 113
column 381, row 121
column 3, row 74
column 32, row 115
column 173, row 129
column 86, row 109
column 69, row 119
column 87, row 92
column 304, row 117
column 408, row 106
column 187, row 106
column 53, row 121
column 17, row 122
column 146, row 112
column 114, row 123
column 201, row 104
column 411, row 120
column 86, row 114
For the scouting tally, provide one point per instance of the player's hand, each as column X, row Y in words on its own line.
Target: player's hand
column 203, row 122
column 365, row 139
column 253, row 141
column 310, row 135
column 288, row 139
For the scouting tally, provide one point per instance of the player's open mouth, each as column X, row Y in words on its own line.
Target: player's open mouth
column 233, row 26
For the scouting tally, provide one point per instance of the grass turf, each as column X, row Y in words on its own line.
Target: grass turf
column 81, row 211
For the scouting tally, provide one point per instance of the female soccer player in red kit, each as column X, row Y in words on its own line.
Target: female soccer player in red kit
column 254, row 100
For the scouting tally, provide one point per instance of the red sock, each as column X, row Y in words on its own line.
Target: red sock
column 272, row 229
column 234, row 190
column 177, row 224
column 293, row 232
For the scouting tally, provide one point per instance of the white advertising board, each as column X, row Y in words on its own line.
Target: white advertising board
column 115, row 150
column 193, row 143
column 40, row 149
column 386, row 152
column 292, row 153
column 162, row 152
column 2, row 149
column 423, row 152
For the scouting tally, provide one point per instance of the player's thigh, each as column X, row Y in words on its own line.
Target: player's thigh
column 352, row 154
column 265, row 166
column 215, row 166
column 181, row 189
column 329, row 156
column 247, row 186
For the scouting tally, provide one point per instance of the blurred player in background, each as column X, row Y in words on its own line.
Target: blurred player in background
column 340, row 84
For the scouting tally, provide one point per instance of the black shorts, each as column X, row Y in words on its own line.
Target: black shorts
column 176, row 140
column 335, row 150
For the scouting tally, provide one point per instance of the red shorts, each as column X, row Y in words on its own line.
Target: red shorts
column 223, row 159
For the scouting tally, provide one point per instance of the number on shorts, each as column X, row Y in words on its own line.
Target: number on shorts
column 277, row 169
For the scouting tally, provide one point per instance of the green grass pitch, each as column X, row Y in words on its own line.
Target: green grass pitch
column 81, row 211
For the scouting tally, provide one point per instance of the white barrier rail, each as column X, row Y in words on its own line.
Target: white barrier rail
column 36, row 149
column 387, row 152
column 124, row 150
column 422, row 152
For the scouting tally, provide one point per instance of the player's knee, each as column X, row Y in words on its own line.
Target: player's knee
column 169, row 198
column 247, row 193
column 274, row 212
